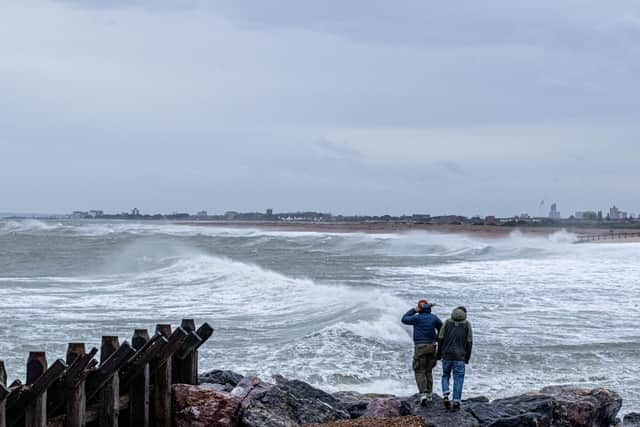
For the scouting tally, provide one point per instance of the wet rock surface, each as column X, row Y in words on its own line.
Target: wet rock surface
column 631, row 420
column 284, row 403
column 227, row 379
column 202, row 406
column 410, row 421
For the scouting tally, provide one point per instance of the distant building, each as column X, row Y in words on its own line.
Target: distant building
column 96, row 213
column 554, row 213
column 448, row 219
column 617, row 214
column 490, row 220
column 269, row 213
column 524, row 216
column 586, row 215
column 421, row 218
column 135, row 212
column 231, row 215
column 202, row 214
column 79, row 214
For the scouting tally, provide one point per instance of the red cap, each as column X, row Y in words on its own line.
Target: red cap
column 423, row 302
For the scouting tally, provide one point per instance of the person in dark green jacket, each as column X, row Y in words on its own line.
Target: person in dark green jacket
column 455, row 341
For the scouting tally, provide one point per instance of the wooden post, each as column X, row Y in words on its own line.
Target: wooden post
column 161, row 403
column 36, row 412
column 75, row 398
column 110, row 395
column 4, row 393
column 187, row 367
column 139, row 389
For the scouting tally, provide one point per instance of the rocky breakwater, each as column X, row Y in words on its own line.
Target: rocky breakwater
column 226, row 399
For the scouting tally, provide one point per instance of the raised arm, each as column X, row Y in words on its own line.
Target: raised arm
column 409, row 317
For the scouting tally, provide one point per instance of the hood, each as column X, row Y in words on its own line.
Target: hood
column 426, row 309
column 459, row 315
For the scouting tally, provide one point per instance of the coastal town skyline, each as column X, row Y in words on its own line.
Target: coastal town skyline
column 612, row 214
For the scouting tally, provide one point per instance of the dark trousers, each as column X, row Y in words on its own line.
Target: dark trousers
column 424, row 360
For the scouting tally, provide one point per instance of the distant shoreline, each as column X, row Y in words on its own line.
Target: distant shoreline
column 484, row 231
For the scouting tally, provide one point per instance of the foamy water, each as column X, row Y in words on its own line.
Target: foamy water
column 325, row 307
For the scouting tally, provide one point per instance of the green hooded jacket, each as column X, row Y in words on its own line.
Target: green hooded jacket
column 456, row 337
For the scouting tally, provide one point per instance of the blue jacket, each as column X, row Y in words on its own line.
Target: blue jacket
column 426, row 326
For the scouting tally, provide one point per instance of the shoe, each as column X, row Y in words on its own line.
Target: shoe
column 456, row 406
column 424, row 398
column 446, row 402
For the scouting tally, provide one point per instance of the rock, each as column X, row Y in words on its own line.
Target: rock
column 382, row 407
column 552, row 406
column 355, row 403
column 532, row 409
column 228, row 379
column 376, row 422
column 289, row 403
column 300, row 388
column 578, row 407
column 435, row 414
column 286, row 404
column 202, row 406
column 387, row 407
column 631, row 420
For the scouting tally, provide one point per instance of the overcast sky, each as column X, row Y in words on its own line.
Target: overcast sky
column 361, row 106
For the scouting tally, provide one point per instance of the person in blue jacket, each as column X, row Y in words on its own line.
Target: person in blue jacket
column 426, row 328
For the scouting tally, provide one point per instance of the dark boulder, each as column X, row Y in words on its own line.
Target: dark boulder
column 285, row 404
column 584, row 408
column 356, row 404
column 228, row 379
column 302, row 389
column 202, row 406
column 553, row 406
column 531, row 409
column 386, row 407
column 435, row 414
column 631, row 420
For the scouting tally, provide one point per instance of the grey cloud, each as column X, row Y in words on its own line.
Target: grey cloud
column 338, row 150
column 363, row 106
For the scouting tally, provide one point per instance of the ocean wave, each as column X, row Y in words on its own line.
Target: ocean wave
column 27, row 225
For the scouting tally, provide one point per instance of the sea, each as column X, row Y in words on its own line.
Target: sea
column 325, row 307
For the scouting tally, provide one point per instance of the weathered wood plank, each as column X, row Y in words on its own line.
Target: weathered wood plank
column 4, row 393
column 136, row 365
column 36, row 410
column 139, row 386
column 75, row 375
column 175, row 342
column 205, row 331
column 99, row 377
column 74, row 393
column 161, row 402
column 109, row 408
column 31, row 398
column 185, row 362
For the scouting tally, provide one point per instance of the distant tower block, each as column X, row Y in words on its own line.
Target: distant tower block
column 554, row 213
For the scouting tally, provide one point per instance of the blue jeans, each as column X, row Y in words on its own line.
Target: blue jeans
column 457, row 367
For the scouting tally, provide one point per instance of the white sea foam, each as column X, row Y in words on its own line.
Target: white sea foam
column 27, row 225
column 326, row 307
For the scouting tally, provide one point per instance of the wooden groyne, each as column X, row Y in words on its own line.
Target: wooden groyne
column 129, row 385
column 585, row 238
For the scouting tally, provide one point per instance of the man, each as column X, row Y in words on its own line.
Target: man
column 454, row 348
column 426, row 327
